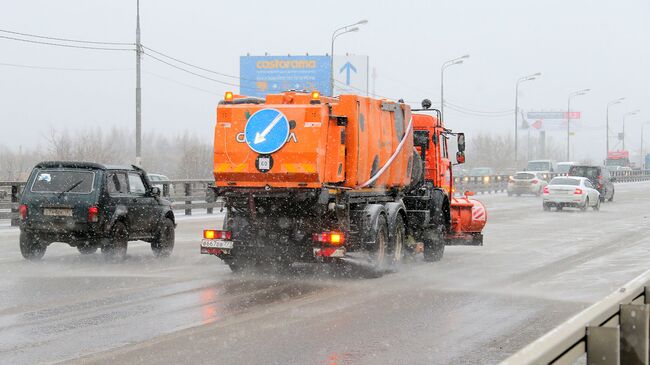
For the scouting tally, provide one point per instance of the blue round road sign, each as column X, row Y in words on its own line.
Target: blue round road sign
column 266, row 131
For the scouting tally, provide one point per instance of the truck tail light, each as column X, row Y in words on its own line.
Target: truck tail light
column 578, row 191
column 22, row 210
column 545, row 191
column 215, row 234
column 93, row 214
column 330, row 238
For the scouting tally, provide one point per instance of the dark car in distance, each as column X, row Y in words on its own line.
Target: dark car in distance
column 600, row 178
column 91, row 206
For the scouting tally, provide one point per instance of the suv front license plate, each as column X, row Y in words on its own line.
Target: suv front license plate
column 226, row 245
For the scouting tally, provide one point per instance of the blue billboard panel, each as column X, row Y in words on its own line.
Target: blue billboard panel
column 261, row 75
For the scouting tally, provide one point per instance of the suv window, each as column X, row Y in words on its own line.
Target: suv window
column 116, row 183
column 56, row 181
column 591, row 172
column 136, row 186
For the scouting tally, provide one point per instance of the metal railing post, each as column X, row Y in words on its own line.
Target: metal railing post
column 188, row 199
column 165, row 191
column 603, row 345
column 14, row 207
column 209, row 210
column 635, row 326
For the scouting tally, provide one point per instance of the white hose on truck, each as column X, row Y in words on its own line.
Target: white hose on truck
column 391, row 159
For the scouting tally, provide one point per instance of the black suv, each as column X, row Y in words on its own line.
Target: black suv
column 599, row 177
column 90, row 206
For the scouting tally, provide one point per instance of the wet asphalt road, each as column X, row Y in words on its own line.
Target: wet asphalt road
column 477, row 306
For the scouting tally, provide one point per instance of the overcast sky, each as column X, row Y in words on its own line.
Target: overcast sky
column 601, row 45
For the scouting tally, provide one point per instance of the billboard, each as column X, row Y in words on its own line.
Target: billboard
column 553, row 120
column 351, row 74
column 261, row 75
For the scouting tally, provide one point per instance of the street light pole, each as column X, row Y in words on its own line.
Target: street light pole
column 519, row 81
column 455, row 61
column 346, row 29
column 138, row 91
column 617, row 101
column 642, row 154
column 568, row 120
column 625, row 116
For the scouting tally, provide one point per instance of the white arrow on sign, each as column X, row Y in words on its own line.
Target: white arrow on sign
column 261, row 137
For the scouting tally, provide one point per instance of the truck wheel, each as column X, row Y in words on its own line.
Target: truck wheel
column 87, row 248
column 396, row 247
column 114, row 248
column 163, row 244
column 239, row 264
column 30, row 247
column 434, row 246
column 377, row 253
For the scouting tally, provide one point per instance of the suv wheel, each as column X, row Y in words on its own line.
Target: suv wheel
column 87, row 248
column 114, row 248
column 163, row 244
column 30, row 247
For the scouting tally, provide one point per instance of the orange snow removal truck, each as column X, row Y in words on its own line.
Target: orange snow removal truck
column 349, row 180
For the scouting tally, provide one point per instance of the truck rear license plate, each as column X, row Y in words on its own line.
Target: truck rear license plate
column 217, row 244
column 57, row 212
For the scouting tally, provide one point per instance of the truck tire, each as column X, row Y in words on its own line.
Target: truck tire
column 434, row 245
column 163, row 244
column 377, row 252
column 396, row 245
column 114, row 248
column 30, row 247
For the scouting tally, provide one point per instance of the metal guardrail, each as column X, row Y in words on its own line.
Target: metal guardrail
column 185, row 195
column 614, row 331
column 499, row 183
column 189, row 195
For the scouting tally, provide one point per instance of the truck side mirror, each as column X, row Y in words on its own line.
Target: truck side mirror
column 461, row 142
column 460, row 157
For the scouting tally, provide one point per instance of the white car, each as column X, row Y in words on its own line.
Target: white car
column 526, row 182
column 570, row 191
column 160, row 181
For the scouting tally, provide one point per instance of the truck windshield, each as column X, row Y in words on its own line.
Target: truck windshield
column 616, row 162
column 57, row 181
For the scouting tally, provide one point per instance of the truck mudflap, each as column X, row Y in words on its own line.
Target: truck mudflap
column 468, row 218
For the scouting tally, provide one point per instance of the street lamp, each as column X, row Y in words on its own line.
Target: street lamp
column 455, row 61
column 642, row 154
column 346, row 29
column 617, row 101
column 519, row 81
column 635, row 112
column 568, row 119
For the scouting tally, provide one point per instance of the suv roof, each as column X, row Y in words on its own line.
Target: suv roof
column 84, row 165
